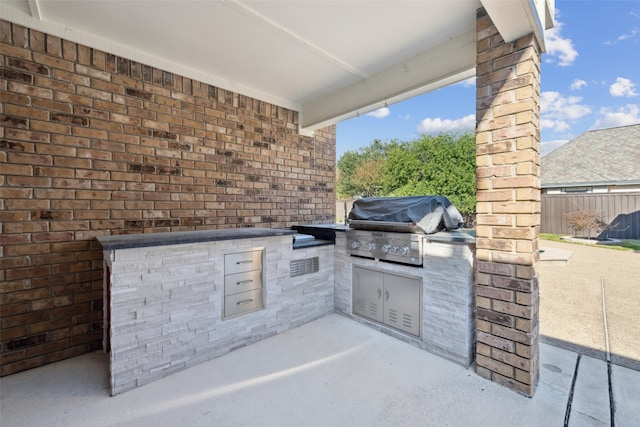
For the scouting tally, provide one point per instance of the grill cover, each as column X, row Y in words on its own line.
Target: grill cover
column 430, row 214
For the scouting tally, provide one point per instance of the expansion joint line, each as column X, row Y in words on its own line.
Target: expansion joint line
column 567, row 414
column 612, row 406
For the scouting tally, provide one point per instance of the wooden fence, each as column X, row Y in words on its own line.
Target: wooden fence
column 343, row 207
column 620, row 210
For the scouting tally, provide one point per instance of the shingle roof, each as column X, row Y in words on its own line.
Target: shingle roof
column 595, row 157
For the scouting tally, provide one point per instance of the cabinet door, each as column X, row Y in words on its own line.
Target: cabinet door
column 367, row 293
column 402, row 303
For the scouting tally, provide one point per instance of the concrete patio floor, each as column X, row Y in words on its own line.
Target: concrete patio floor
column 589, row 299
column 330, row 372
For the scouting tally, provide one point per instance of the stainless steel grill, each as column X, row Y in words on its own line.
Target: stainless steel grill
column 393, row 228
column 403, row 248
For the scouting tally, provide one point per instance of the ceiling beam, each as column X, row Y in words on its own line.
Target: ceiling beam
column 261, row 19
column 428, row 71
column 34, row 9
column 515, row 19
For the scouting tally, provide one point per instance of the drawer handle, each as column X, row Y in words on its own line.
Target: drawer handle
column 245, row 301
column 248, row 261
column 244, row 281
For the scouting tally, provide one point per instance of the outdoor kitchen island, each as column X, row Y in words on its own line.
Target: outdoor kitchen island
column 440, row 318
column 165, row 294
column 171, row 300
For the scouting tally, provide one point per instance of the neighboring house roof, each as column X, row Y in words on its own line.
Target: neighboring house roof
column 605, row 156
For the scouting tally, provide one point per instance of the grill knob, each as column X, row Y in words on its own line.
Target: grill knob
column 355, row 244
column 371, row 246
column 386, row 248
column 404, row 250
column 394, row 250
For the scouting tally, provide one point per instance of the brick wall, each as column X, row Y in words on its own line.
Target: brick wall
column 93, row 144
column 508, row 208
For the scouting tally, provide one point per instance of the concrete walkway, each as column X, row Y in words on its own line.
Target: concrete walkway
column 330, row 372
column 591, row 303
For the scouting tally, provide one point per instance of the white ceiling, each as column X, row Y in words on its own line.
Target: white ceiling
column 329, row 60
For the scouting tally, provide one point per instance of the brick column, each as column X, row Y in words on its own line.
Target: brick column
column 508, row 208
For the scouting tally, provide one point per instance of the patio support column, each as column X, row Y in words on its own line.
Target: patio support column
column 508, row 207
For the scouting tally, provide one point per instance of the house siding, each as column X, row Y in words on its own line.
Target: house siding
column 92, row 144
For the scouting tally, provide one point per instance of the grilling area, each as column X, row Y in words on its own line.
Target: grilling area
column 174, row 300
column 168, row 199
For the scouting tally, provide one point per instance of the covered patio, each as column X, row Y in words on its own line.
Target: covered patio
column 196, row 115
column 332, row 371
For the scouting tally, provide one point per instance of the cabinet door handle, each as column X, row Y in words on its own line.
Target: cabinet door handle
column 248, row 261
column 245, row 301
column 386, row 295
column 379, row 293
column 244, row 281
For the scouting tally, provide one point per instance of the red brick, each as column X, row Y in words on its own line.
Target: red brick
column 56, row 85
column 46, row 348
column 21, row 296
column 23, row 365
column 24, row 170
column 75, row 99
column 53, row 62
column 495, row 366
column 84, row 184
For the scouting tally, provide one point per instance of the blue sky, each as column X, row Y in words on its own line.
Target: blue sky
column 590, row 80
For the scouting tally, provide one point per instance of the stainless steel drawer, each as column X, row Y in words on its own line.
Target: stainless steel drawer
column 242, row 261
column 241, row 282
column 243, row 302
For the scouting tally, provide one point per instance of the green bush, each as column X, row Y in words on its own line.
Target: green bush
column 430, row 165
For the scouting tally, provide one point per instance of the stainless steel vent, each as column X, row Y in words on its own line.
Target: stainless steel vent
column 300, row 267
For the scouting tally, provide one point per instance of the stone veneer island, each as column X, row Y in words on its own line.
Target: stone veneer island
column 165, row 295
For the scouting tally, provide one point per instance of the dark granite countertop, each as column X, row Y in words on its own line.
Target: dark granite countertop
column 183, row 237
column 455, row 236
column 312, row 243
column 333, row 226
column 320, row 231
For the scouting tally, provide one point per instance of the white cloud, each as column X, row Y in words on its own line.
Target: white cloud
column 470, row 82
column 438, row 125
column 623, row 87
column 380, row 113
column 631, row 34
column 623, row 116
column 556, row 110
column 578, row 84
column 405, row 117
column 558, row 47
column 555, row 125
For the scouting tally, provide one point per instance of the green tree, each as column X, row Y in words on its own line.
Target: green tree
column 367, row 177
column 430, row 165
column 349, row 162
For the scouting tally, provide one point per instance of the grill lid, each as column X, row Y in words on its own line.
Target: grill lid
column 427, row 214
